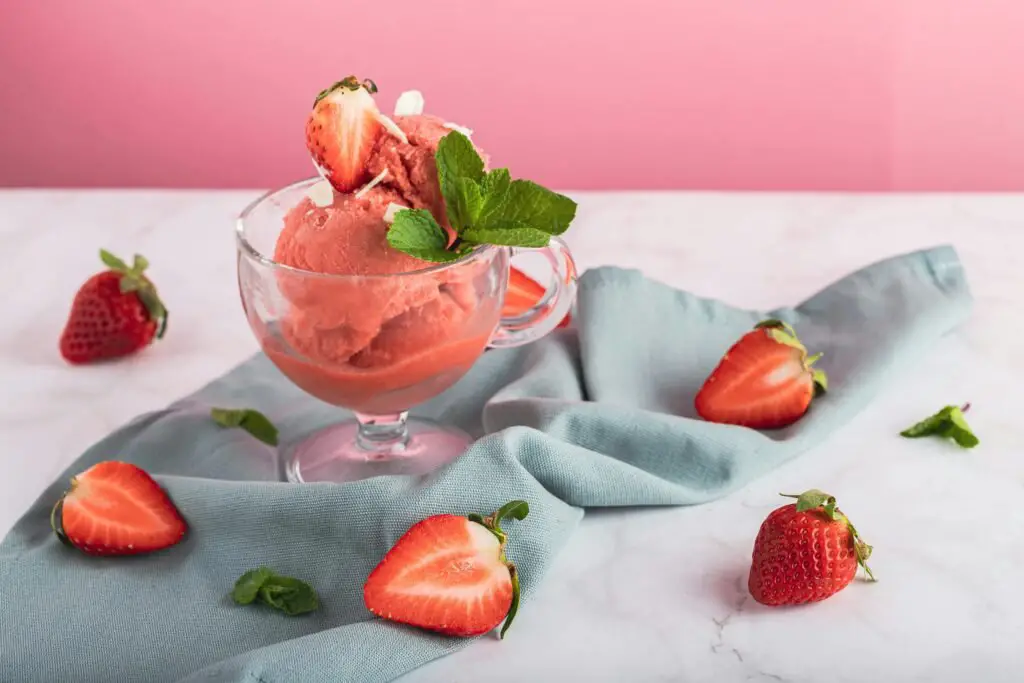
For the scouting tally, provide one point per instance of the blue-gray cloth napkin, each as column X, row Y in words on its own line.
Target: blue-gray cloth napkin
column 598, row 416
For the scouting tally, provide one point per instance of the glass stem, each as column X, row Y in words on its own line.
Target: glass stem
column 382, row 433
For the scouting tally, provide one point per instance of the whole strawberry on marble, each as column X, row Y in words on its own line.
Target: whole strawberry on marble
column 115, row 313
column 805, row 552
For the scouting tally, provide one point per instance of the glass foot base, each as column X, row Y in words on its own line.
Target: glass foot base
column 333, row 454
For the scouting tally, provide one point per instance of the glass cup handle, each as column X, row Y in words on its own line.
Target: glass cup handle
column 552, row 307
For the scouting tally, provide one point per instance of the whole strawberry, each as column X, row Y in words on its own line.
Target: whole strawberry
column 765, row 381
column 805, row 552
column 115, row 313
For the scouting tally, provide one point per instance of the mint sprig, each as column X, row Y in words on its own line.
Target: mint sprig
column 483, row 207
column 284, row 593
column 252, row 421
column 948, row 423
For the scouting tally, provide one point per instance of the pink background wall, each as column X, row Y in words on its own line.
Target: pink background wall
column 757, row 94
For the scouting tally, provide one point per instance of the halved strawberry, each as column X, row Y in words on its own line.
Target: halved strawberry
column 765, row 381
column 522, row 294
column 115, row 508
column 449, row 574
column 342, row 130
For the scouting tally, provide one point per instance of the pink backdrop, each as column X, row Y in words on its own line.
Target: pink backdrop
column 758, row 94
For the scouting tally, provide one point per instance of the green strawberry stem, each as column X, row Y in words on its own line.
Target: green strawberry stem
column 348, row 83
column 815, row 499
column 133, row 280
column 516, row 509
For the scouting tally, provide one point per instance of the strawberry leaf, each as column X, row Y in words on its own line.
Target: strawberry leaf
column 514, row 607
column 517, row 509
column 252, row 421
column 113, row 262
column 813, row 499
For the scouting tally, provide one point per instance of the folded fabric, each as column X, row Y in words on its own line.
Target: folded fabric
column 598, row 416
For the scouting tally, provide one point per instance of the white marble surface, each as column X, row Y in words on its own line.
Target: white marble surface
column 640, row 595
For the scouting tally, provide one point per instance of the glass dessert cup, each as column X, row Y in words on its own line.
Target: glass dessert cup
column 379, row 345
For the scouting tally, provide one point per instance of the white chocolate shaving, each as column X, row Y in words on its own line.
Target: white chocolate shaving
column 409, row 103
column 468, row 132
column 372, row 184
column 389, row 213
column 392, row 127
column 321, row 194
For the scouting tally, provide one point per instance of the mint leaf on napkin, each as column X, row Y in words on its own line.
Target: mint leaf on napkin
column 284, row 593
column 482, row 208
column 948, row 423
column 252, row 421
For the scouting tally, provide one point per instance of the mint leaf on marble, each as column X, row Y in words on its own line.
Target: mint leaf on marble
column 284, row 593
column 948, row 423
column 416, row 233
column 252, row 421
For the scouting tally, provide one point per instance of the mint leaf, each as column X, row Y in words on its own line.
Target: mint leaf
column 416, row 233
column 527, row 203
column 494, row 188
column 252, row 421
column 948, row 423
column 464, row 205
column 248, row 585
column 510, row 237
column 284, row 593
column 289, row 595
column 457, row 161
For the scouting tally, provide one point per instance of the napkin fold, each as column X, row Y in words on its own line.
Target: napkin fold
column 597, row 416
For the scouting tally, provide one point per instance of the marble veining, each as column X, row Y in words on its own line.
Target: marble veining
column 637, row 595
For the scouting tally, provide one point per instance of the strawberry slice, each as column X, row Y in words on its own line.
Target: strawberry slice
column 342, row 130
column 449, row 574
column 765, row 381
column 115, row 508
column 522, row 294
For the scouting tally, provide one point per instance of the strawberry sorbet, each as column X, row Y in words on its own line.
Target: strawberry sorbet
column 389, row 337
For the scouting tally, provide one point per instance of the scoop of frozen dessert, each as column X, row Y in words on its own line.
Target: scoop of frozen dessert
column 411, row 169
column 332, row 320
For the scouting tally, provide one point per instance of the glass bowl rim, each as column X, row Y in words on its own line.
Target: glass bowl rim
column 246, row 248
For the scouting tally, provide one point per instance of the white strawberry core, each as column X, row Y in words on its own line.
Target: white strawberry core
column 486, row 551
column 784, row 373
column 389, row 213
column 372, row 184
column 468, row 132
column 409, row 103
column 321, row 194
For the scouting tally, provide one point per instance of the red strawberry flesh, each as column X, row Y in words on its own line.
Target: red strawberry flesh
column 445, row 574
column 341, row 133
column 522, row 294
column 761, row 382
column 116, row 508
